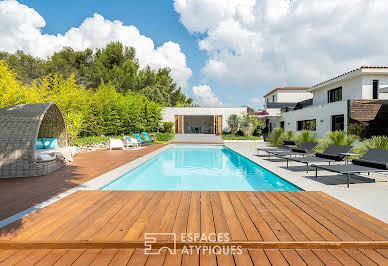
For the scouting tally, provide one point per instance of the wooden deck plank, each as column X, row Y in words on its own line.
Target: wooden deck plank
column 104, row 257
column 309, row 257
column 225, row 259
column 207, row 222
column 360, row 257
column 87, row 257
column 291, row 214
column 137, row 228
column 221, row 225
column 70, row 257
column 181, row 218
column 4, row 254
column 190, row 259
column 259, row 257
column 155, row 260
column 243, row 259
column 375, row 256
column 170, row 215
column 264, row 229
column 354, row 214
column 275, row 257
column 248, row 226
column 330, row 225
column 173, row 259
column 17, row 257
column 194, row 219
column 34, row 257
column 326, row 257
column 343, row 257
column 208, row 259
column 138, row 258
column 115, row 221
column 236, row 230
column 276, row 227
column 123, row 226
column 352, row 221
column 286, row 223
column 52, row 257
column 153, row 224
column 122, row 257
column 293, row 257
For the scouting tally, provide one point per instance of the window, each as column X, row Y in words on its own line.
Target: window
column 307, row 125
column 334, row 95
column 270, row 127
column 267, row 100
column 273, row 98
column 375, row 89
column 337, row 122
column 282, row 124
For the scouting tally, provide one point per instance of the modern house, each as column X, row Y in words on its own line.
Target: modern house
column 204, row 120
column 360, row 95
column 283, row 99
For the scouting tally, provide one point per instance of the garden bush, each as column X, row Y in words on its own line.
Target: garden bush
column 168, row 127
column 164, row 136
column 376, row 142
column 233, row 123
column 276, row 137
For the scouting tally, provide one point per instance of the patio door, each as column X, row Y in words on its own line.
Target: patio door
column 179, row 124
column 217, row 124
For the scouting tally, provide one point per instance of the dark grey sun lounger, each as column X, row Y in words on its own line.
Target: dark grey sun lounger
column 304, row 149
column 331, row 154
column 375, row 160
column 287, row 146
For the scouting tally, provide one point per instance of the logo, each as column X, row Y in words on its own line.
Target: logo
column 191, row 243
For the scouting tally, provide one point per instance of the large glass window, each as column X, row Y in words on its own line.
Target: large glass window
column 307, row 125
column 337, row 122
column 375, row 89
column 334, row 95
column 282, row 124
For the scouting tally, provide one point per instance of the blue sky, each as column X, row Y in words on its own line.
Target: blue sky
column 222, row 52
column 155, row 19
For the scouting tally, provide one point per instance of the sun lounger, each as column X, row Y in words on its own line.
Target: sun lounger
column 147, row 138
column 331, row 154
column 375, row 160
column 287, row 146
column 304, row 149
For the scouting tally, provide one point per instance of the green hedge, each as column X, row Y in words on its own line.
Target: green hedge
column 226, row 136
column 162, row 137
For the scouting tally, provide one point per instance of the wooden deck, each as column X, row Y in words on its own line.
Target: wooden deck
column 272, row 227
column 18, row 194
column 101, row 257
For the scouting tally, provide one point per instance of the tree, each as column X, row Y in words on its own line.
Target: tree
column 233, row 123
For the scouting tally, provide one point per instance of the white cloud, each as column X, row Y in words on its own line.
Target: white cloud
column 21, row 26
column 204, row 95
column 259, row 44
column 256, row 100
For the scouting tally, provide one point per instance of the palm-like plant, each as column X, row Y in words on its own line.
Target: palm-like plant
column 248, row 124
column 233, row 123
column 376, row 142
column 276, row 137
column 307, row 136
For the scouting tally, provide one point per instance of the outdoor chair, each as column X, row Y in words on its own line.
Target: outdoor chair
column 129, row 141
column 147, row 138
column 306, row 148
column 331, row 154
column 375, row 160
column 139, row 139
column 116, row 144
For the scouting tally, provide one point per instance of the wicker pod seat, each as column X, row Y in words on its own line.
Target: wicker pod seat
column 20, row 126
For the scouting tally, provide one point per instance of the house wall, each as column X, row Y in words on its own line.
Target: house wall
column 169, row 113
column 285, row 96
column 322, row 114
column 360, row 87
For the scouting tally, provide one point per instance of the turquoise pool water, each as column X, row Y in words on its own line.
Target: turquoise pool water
column 200, row 167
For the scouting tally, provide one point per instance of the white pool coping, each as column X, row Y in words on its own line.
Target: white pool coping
column 349, row 196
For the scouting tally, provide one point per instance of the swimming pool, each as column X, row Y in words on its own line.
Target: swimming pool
column 200, row 167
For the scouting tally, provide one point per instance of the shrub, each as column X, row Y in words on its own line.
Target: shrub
column 307, row 136
column 276, row 137
column 259, row 128
column 239, row 137
column 376, row 142
column 358, row 128
column 164, row 137
column 248, row 124
column 168, row 127
column 233, row 123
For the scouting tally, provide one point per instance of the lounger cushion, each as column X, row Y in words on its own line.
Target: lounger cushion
column 39, row 144
column 290, row 142
column 374, row 164
column 299, row 150
column 50, row 143
column 335, row 157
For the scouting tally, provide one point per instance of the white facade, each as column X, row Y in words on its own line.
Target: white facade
column 169, row 113
column 287, row 95
column 356, row 85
